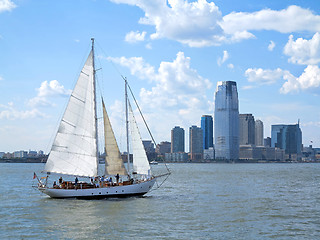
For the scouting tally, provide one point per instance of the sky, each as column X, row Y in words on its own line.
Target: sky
column 172, row 52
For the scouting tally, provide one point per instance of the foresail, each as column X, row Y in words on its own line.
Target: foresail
column 114, row 163
column 74, row 148
column 140, row 160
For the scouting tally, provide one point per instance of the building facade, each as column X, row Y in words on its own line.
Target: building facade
column 196, row 143
column 163, row 147
column 177, row 140
column 259, row 140
column 289, row 138
column 246, row 129
column 207, row 128
column 226, row 121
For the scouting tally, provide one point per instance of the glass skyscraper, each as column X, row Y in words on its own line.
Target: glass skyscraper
column 226, row 121
column 287, row 137
column 177, row 140
column 246, row 129
column 195, row 143
column 207, row 127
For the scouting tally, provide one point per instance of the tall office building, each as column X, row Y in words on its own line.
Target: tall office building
column 259, row 133
column 207, row 128
column 196, row 143
column 177, row 140
column 226, row 121
column 289, row 138
column 246, row 129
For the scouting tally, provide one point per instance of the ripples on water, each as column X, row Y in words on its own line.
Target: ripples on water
column 199, row 201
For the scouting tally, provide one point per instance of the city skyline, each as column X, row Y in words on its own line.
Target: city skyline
column 173, row 53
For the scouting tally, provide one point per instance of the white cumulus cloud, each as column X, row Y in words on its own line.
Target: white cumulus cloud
column 11, row 113
column 225, row 57
column 265, row 76
column 303, row 51
column 6, row 5
column 48, row 89
column 292, row 19
column 308, row 80
column 133, row 37
column 271, row 46
column 200, row 23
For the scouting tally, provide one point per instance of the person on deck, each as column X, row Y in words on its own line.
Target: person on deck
column 60, row 181
column 76, row 182
column 117, row 178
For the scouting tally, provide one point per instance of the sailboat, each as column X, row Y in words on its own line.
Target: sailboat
column 75, row 152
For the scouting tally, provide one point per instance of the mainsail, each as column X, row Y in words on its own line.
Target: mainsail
column 114, row 163
column 74, row 150
column 140, row 160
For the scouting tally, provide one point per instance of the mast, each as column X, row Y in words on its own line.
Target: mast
column 127, row 125
column 95, row 102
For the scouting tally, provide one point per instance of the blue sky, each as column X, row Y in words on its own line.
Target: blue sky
column 172, row 52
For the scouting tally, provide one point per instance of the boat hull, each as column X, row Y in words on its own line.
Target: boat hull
column 136, row 189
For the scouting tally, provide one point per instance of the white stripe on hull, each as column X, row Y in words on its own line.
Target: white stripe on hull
column 115, row 191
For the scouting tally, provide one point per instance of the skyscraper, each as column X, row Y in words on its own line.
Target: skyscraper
column 177, row 139
column 196, row 143
column 246, row 129
column 289, row 138
column 207, row 128
column 259, row 133
column 226, row 121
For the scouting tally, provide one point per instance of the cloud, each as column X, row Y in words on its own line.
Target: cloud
column 178, row 92
column 308, row 80
column 6, row 5
column 1, row 78
column 266, row 76
column 195, row 24
column 271, row 46
column 302, row 51
column 231, row 66
column 9, row 112
column 48, row 89
column 133, row 37
column 292, row 19
column 224, row 58
column 138, row 67
column 200, row 23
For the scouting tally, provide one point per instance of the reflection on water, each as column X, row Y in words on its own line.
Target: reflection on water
column 199, row 201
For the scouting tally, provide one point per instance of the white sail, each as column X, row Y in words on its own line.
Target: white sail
column 114, row 163
column 74, row 150
column 140, row 160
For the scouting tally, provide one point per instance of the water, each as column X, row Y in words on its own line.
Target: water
column 199, row 201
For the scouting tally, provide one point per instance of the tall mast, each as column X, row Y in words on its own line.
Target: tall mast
column 127, row 125
column 95, row 101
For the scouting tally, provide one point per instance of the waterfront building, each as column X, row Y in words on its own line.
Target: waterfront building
column 259, row 133
column 226, row 121
column 260, row 153
column 176, row 157
column 289, row 138
column 267, row 142
column 177, row 139
column 20, row 154
column 208, row 154
column 163, row 147
column 207, row 128
column 246, row 129
column 196, row 143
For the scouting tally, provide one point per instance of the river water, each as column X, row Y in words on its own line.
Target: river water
column 198, row 201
